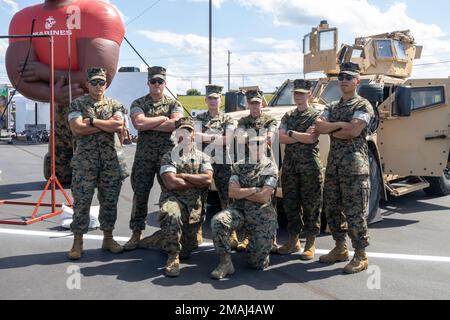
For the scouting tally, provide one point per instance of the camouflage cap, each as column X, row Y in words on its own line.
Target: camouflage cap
column 350, row 68
column 213, row 91
column 187, row 123
column 254, row 95
column 156, row 72
column 96, row 73
column 302, row 86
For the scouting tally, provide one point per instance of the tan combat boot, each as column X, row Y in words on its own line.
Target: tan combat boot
column 151, row 242
column 133, row 242
column 291, row 246
column 310, row 248
column 338, row 254
column 224, row 268
column 234, row 242
column 172, row 265
column 359, row 262
column 242, row 246
column 77, row 248
column 109, row 243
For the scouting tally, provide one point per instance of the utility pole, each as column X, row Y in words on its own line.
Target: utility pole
column 229, row 66
column 210, row 41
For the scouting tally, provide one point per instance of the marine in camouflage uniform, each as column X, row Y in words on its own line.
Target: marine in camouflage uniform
column 150, row 148
column 261, row 124
column 98, row 162
column 216, row 126
column 255, row 180
column 347, row 185
column 301, row 176
column 182, row 201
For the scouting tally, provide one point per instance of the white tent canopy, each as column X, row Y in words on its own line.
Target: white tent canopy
column 26, row 112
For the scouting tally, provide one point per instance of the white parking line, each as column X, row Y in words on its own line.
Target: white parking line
column 394, row 256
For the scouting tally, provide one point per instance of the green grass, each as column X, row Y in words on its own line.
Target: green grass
column 198, row 102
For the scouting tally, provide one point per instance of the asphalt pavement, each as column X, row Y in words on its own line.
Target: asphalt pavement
column 409, row 253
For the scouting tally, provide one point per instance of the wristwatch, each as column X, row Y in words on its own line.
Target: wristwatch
column 290, row 132
column 91, row 121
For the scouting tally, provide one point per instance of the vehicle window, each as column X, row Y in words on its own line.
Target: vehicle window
column 326, row 40
column 332, row 91
column 384, row 48
column 307, row 44
column 357, row 53
column 286, row 97
column 427, row 97
column 400, row 49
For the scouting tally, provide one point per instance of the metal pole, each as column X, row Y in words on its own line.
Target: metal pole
column 210, row 41
column 229, row 66
column 52, row 121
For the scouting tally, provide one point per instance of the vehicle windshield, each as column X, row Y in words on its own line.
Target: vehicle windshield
column 285, row 97
column 332, row 92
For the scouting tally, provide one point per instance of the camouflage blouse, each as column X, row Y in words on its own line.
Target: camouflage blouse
column 102, row 147
column 194, row 163
column 247, row 175
column 351, row 156
column 299, row 155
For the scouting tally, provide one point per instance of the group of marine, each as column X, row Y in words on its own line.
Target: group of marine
column 166, row 149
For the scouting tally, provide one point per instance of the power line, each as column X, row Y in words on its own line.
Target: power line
column 143, row 12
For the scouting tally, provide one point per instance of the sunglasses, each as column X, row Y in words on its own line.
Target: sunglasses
column 96, row 82
column 347, row 77
column 157, row 81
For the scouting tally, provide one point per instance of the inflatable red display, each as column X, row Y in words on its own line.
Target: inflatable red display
column 82, row 18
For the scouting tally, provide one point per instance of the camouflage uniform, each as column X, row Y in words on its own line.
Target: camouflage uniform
column 221, row 162
column 182, row 211
column 301, row 176
column 347, row 184
column 259, row 220
column 98, row 161
column 151, row 146
column 263, row 124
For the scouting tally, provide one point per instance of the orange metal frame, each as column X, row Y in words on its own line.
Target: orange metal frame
column 53, row 181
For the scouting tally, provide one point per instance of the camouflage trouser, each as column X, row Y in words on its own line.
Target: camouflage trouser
column 176, row 231
column 302, row 200
column 222, row 174
column 63, row 146
column 85, row 179
column 345, row 201
column 260, row 225
column 142, row 178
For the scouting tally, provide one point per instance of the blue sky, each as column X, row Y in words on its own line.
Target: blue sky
column 263, row 35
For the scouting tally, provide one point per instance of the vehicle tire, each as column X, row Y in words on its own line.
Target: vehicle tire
column 375, row 189
column 439, row 186
column 47, row 168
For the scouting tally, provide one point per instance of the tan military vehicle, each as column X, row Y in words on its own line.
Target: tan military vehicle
column 410, row 141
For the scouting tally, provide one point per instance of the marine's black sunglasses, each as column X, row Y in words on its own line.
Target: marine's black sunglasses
column 345, row 76
column 96, row 82
column 158, row 81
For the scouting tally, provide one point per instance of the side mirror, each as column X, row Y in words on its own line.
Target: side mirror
column 403, row 102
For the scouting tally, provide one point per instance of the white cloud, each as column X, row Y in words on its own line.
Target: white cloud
column 191, row 43
column 13, row 5
column 278, row 44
